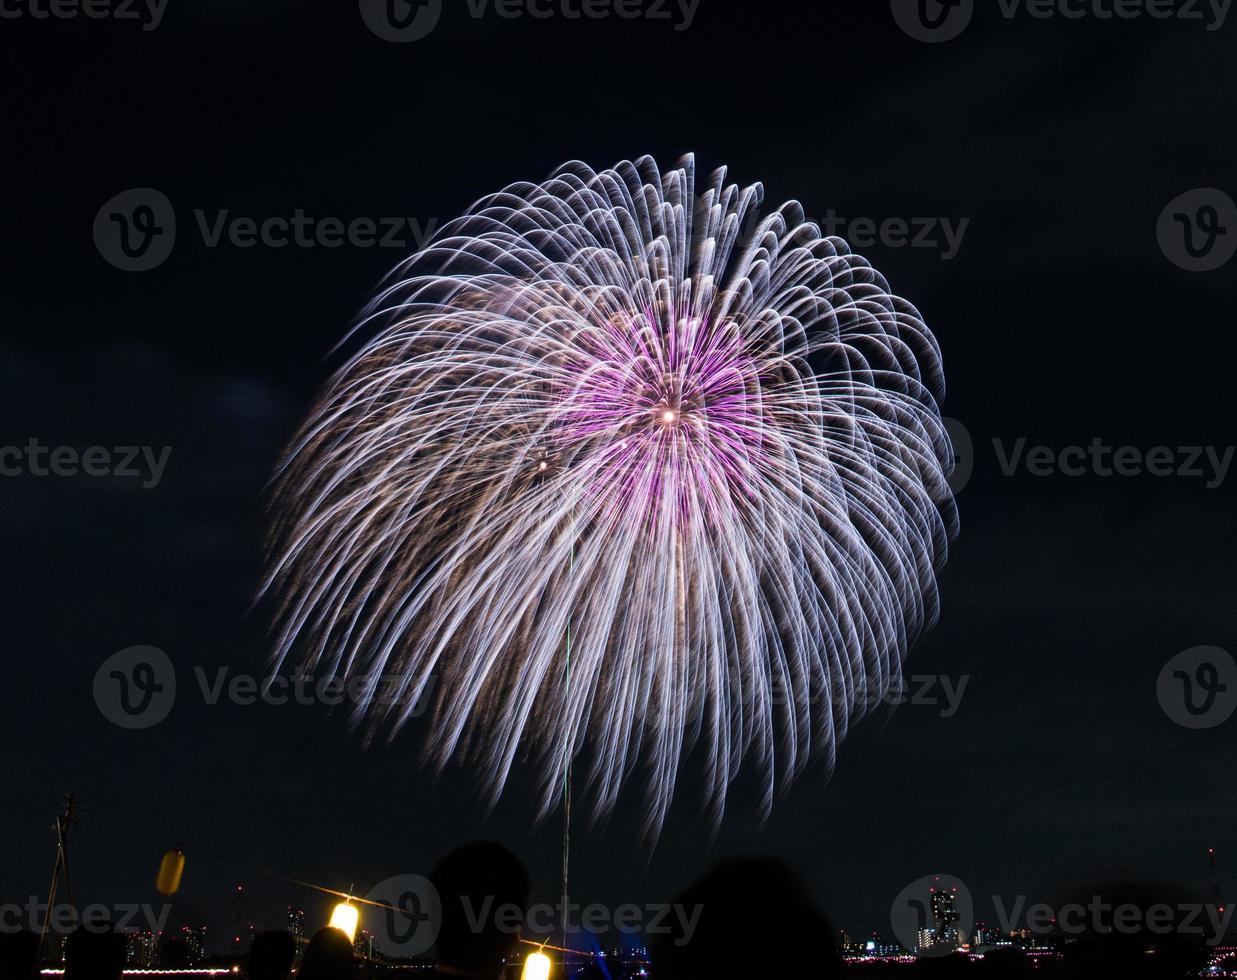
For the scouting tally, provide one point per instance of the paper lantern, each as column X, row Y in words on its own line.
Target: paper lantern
column 344, row 918
column 536, row 967
column 167, row 882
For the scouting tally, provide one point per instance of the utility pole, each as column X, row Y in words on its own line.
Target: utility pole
column 61, row 870
column 1215, row 883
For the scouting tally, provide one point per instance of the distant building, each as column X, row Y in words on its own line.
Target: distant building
column 296, row 923
column 946, row 915
column 142, row 949
column 194, row 937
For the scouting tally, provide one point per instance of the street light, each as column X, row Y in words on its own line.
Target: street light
column 344, row 918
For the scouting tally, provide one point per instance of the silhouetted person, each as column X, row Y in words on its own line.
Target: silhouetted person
column 327, row 957
column 271, row 956
column 477, row 876
column 18, row 954
column 94, row 955
column 748, row 917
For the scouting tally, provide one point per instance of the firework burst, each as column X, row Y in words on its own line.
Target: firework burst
column 631, row 470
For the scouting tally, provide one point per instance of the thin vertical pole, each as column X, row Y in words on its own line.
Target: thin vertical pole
column 571, row 563
column 60, row 870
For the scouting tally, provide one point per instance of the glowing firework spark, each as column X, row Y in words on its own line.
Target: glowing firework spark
column 703, row 444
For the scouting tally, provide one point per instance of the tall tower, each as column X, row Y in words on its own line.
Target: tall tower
column 946, row 915
column 296, row 923
column 1216, row 901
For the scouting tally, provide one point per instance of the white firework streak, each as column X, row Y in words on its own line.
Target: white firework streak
column 703, row 444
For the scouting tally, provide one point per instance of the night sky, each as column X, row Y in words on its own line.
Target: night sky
column 1061, row 318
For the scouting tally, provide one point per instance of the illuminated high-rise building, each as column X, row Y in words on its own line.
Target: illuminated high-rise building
column 142, row 949
column 194, row 937
column 946, row 916
column 296, row 923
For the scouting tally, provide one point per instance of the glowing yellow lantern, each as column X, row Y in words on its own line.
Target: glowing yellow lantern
column 167, row 882
column 344, row 918
column 536, row 967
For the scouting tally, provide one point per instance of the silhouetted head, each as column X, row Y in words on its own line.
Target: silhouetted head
column 327, row 957
column 748, row 917
column 271, row 956
column 466, row 879
column 94, row 955
column 18, row 952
